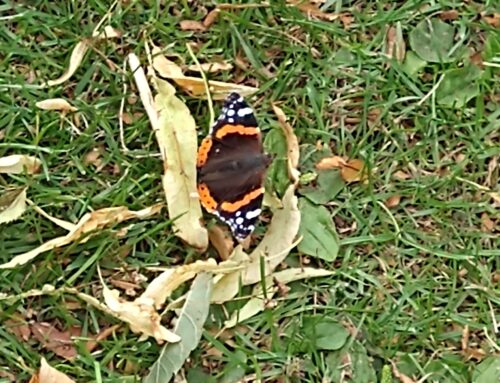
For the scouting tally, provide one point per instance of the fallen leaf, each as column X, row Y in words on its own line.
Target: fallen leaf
column 327, row 185
column 59, row 222
column 17, row 163
column 258, row 301
column 487, row 225
column 432, row 40
column 331, row 163
column 18, row 326
column 312, row 10
column 277, row 242
column 449, row 15
column 141, row 316
column 48, row 374
column 192, row 25
column 211, row 17
column 177, row 139
column 222, row 241
column 211, row 67
column 354, row 171
column 59, row 342
column 93, row 157
column 395, row 43
column 226, row 286
column 393, row 201
column 79, row 52
column 59, row 104
column 292, row 143
column 189, row 328
column 194, row 85
column 492, row 166
column 12, row 204
column 401, row 175
column 493, row 20
column 90, row 222
column 103, row 335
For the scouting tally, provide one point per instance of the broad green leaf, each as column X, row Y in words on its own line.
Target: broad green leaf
column 432, row 40
column 189, row 327
column 413, row 64
column 277, row 174
column 324, row 333
column 328, row 184
column 459, row 86
column 319, row 237
column 360, row 365
column 488, row 371
column 12, row 204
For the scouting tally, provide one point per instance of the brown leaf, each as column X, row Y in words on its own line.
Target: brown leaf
column 487, row 225
column 93, row 157
column 192, row 25
column 222, row 241
column 334, row 162
column 401, row 175
column 393, row 201
column 48, row 374
column 59, row 104
column 492, row 166
column 59, row 342
column 354, row 171
column 493, row 20
column 211, row 18
column 449, row 15
column 193, row 85
column 312, row 10
column 103, row 335
column 211, row 67
column 293, row 152
column 395, row 43
column 18, row 326
column 89, row 223
column 346, row 19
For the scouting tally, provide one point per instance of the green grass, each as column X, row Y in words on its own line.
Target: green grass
column 409, row 279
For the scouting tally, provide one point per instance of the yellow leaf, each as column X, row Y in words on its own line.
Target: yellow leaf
column 353, row 171
column 12, row 205
column 48, row 374
column 177, row 139
column 194, row 85
column 16, row 164
column 79, row 52
column 59, row 104
column 90, row 222
column 292, row 143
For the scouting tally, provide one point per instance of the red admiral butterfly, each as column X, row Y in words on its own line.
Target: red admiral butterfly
column 231, row 167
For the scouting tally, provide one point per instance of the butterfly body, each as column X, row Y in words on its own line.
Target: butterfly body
column 231, row 168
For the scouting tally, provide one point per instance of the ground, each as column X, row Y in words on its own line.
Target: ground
column 416, row 279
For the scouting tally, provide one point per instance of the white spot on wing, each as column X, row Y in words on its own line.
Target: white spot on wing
column 239, row 220
column 230, row 120
column 230, row 112
column 253, row 213
column 244, row 112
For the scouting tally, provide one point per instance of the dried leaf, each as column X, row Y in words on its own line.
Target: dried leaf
column 353, row 171
column 18, row 326
column 395, row 43
column 192, row 25
column 211, row 67
column 59, row 342
column 393, row 201
column 194, row 85
column 189, row 328
column 399, row 375
column 493, row 20
column 222, row 241
column 103, row 335
column 227, row 286
column 59, row 222
column 335, row 162
column 312, row 10
column 278, row 240
column 401, row 175
column 449, row 15
column 90, row 222
column 17, row 163
column 79, row 52
column 177, row 139
column 139, row 314
column 292, row 143
column 48, row 374
column 12, row 205
column 211, row 17
column 59, row 104
column 487, row 225
column 258, row 301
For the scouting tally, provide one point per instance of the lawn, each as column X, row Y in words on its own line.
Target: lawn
column 407, row 89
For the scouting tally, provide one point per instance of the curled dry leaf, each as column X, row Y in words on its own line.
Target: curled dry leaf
column 18, row 163
column 395, row 43
column 90, row 222
column 258, row 301
column 211, row 67
column 194, row 85
column 227, row 286
column 12, row 205
column 192, row 25
column 211, row 17
column 48, row 374
column 222, row 241
column 80, row 50
column 139, row 314
column 334, row 162
column 393, row 201
column 292, row 143
column 59, row 222
column 177, row 139
column 279, row 239
column 59, row 104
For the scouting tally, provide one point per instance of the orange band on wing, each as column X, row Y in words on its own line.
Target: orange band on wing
column 231, row 207
column 203, row 150
column 228, row 129
column 206, row 198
